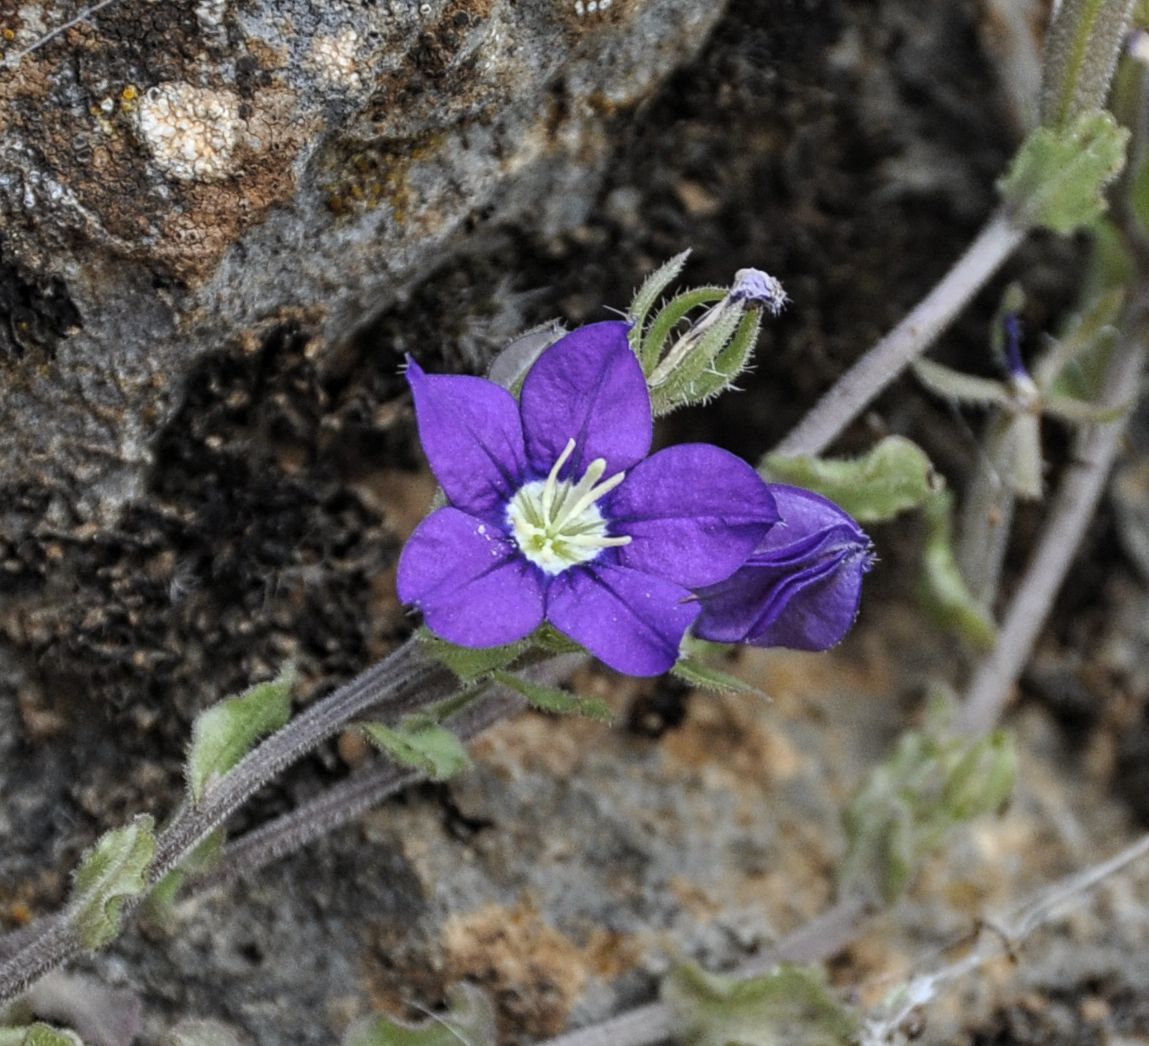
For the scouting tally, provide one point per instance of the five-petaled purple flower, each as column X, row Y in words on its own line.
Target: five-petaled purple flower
column 801, row 586
column 557, row 514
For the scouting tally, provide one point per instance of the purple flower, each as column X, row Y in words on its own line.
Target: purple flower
column 557, row 514
column 800, row 588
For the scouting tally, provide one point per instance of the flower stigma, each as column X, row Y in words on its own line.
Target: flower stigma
column 557, row 524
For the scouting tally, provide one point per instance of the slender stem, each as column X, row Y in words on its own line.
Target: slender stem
column 821, row 938
column 345, row 801
column 399, row 684
column 908, row 340
column 987, row 511
column 1069, row 516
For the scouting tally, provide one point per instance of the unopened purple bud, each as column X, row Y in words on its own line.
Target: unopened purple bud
column 754, row 287
column 802, row 585
column 1012, row 327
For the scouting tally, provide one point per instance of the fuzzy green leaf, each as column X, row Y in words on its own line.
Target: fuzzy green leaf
column 227, row 731
column 426, row 747
column 932, row 781
column 39, row 1034
column 943, row 589
column 112, row 872
column 470, row 1020
column 891, row 478
column 706, row 677
column 472, row 663
column 1057, row 179
column 554, row 699
column 791, row 1004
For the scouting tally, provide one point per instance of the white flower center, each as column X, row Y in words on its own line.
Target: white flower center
column 557, row 524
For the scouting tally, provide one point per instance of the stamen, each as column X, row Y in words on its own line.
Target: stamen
column 553, row 478
column 556, row 523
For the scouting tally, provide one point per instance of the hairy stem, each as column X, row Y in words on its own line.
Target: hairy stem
column 401, row 683
column 987, row 511
column 1069, row 516
column 908, row 340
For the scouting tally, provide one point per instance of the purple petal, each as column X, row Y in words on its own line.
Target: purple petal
column 801, row 587
column 694, row 514
column 588, row 387
column 631, row 621
column 472, row 436
column 469, row 579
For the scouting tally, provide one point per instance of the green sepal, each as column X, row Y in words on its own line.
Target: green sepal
column 470, row 1019
column 657, row 337
column 39, row 1034
column 227, row 731
column 427, row 747
column 699, row 674
column 646, row 297
column 697, row 378
column 944, row 591
column 961, row 387
column 1090, row 333
column 112, row 872
column 790, row 1004
column 1058, row 177
column 555, row 699
column 472, row 663
column 892, row 477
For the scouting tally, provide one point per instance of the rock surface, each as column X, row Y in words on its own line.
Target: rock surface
column 224, row 224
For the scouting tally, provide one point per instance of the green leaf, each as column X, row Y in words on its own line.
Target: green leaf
column 227, row 731
column 1058, row 177
column 469, row 1021
column 943, row 589
column 39, row 1034
column 113, row 871
column 554, row 699
column 791, row 1004
column 426, row 747
column 472, row 663
column 706, row 677
column 933, row 781
column 891, row 478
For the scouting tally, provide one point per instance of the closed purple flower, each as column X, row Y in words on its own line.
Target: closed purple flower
column 800, row 588
column 557, row 514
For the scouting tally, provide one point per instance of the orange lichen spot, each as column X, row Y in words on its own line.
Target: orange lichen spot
column 130, row 93
column 536, row 973
column 8, row 34
column 20, row 913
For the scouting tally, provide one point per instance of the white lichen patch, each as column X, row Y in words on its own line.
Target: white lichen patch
column 591, row 7
column 191, row 132
column 334, row 58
